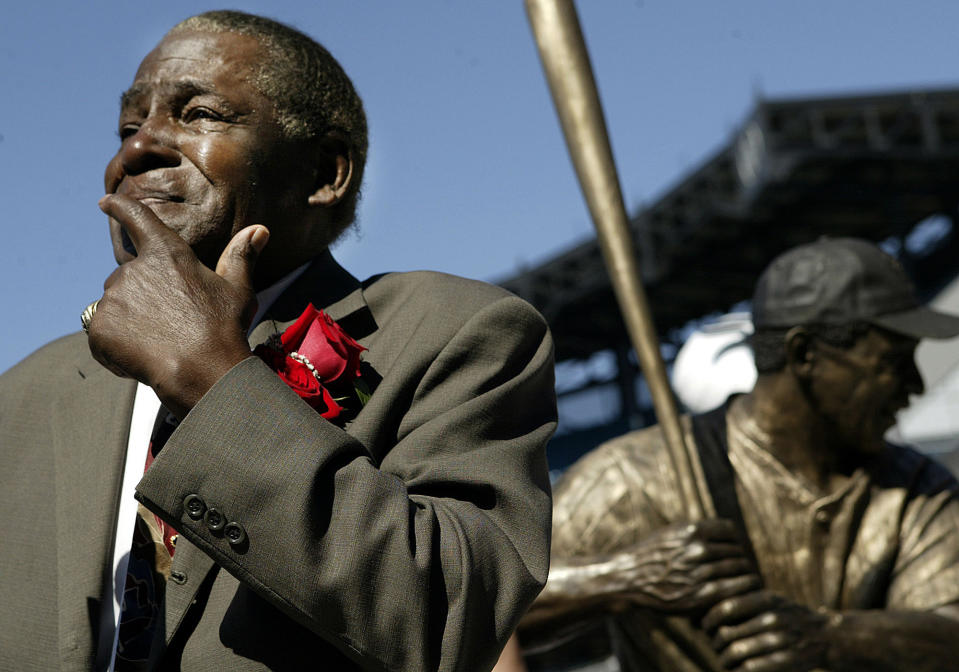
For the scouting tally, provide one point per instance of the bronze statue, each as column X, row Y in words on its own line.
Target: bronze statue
column 833, row 549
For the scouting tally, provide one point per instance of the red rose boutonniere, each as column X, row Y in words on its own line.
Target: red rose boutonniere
column 320, row 362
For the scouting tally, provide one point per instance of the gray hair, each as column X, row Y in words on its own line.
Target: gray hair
column 313, row 96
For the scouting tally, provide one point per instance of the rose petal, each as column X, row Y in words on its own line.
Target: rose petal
column 332, row 353
column 300, row 379
column 333, row 409
column 330, row 350
column 345, row 345
column 326, row 354
column 293, row 336
column 273, row 358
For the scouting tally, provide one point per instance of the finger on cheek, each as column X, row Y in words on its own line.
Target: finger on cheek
column 140, row 223
column 107, row 205
column 259, row 239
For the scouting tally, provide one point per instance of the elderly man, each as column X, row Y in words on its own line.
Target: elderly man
column 368, row 490
column 832, row 549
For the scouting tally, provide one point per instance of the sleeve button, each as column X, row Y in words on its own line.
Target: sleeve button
column 214, row 519
column 195, row 506
column 235, row 534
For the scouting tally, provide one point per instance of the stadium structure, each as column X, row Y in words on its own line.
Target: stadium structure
column 883, row 167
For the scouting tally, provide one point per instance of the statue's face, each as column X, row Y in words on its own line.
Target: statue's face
column 860, row 389
column 201, row 146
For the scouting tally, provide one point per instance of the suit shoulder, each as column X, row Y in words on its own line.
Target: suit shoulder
column 66, row 350
column 439, row 285
column 46, row 374
column 456, row 298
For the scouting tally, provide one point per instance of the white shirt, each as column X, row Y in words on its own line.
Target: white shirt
column 146, row 405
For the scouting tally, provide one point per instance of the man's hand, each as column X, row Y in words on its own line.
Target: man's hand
column 763, row 632
column 167, row 320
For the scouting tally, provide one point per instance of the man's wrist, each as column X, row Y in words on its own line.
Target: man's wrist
column 184, row 388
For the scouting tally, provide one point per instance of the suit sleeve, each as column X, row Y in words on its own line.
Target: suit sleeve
column 424, row 559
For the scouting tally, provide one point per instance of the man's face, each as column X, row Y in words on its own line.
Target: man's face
column 200, row 145
column 860, row 389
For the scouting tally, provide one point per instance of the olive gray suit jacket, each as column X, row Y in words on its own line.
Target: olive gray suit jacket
column 412, row 540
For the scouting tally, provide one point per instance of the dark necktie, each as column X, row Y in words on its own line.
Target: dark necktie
column 151, row 555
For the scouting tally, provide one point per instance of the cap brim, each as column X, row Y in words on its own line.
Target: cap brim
column 920, row 322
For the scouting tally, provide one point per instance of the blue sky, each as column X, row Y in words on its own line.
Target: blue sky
column 468, row 172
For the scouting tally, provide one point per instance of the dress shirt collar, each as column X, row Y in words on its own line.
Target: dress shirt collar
column 266, row 297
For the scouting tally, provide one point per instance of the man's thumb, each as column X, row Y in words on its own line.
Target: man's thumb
column 238, row 259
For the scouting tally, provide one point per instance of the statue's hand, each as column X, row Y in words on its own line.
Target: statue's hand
column 764, row 632
column 685, row 568
column 682, row 569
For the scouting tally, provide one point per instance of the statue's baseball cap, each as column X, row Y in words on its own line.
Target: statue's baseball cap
column 842, row 281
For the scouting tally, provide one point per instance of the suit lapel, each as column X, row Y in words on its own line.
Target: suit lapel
column 190, row 567
column 328, row 286
column 94, row 410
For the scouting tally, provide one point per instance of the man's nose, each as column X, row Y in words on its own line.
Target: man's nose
column 149, row 148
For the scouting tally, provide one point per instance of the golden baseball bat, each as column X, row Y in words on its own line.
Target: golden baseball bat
column 570, row 76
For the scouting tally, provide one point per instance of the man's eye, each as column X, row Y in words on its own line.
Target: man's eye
column 200, row 113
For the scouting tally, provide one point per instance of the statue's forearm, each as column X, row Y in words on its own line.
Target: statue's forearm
column 575, row 590
column 680, row 569
column 892, row 641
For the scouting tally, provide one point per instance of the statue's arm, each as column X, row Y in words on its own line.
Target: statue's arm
column 765, row 632
column 894, row 640
column 681, row 569
column 577, row 589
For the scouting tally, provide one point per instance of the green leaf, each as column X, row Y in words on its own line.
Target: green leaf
column 362, row 390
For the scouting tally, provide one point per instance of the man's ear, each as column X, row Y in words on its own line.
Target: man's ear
column 800, row 351
column 334, row 172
